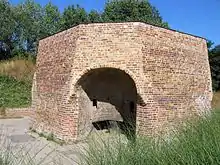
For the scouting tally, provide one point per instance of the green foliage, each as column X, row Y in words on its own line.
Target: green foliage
column 73, row 16
column 51, row 21
column 94, row 17
column 14, row 93
column 209, row 45
column 216, row 50
column 197, row 143
column 214, row 61
column 23, row 25
column 29, row 16
column 132, row 10
column 7, row 30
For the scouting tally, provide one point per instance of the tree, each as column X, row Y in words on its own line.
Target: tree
column 7, row 30
column 94, row 17
column 214, row 61
column 132, row 10
column 73, row 16
column 51, row 20
column 209, row 44
column 29, row 15
column 24, row 24
column 216, row 50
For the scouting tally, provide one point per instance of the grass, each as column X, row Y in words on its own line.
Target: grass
column 216, row 100
column 197, row 144
column 19, row 69
column 15, row 82
column 14, row 93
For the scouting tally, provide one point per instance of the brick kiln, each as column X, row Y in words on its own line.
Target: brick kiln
column 125, row 72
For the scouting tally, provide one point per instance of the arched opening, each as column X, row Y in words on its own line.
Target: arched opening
column 107, row 100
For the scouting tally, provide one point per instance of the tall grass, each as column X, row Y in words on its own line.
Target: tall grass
column 20, row 69
column 198, row 143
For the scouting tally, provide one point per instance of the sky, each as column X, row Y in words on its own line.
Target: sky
column 197, row 17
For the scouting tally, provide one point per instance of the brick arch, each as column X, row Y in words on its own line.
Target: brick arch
column 75, row 95
column 137, row 80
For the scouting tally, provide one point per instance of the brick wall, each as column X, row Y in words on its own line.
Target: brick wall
column 170, row 70
column 178, row 70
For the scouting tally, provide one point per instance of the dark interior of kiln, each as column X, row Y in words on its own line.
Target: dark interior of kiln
column 107, row 101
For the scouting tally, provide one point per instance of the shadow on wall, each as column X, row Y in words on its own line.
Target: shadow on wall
column 108, row 99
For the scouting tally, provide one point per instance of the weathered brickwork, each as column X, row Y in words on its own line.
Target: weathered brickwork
column 170, row 71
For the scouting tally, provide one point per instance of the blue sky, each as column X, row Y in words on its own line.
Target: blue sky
column 198, row 17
